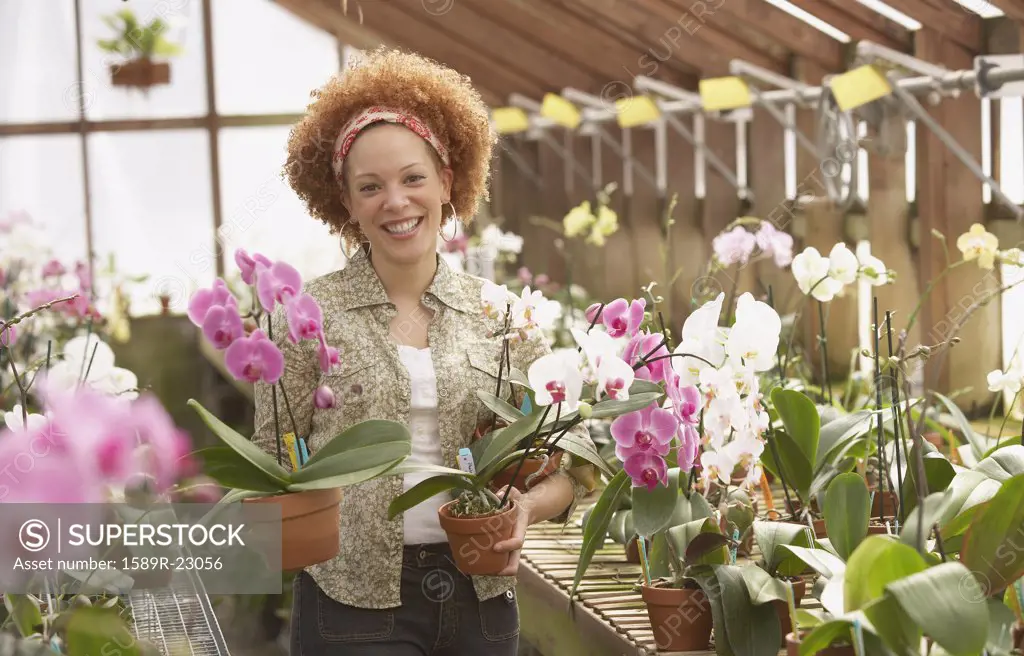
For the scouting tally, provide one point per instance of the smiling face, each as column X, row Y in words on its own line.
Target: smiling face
column 395, row 188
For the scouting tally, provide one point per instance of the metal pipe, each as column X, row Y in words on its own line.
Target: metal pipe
column 744, row 68
column 701, row 150
column 958, row 150
column 644, row 83
column 871, row 51
column 619, row 150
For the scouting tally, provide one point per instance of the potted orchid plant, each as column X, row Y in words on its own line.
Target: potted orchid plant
column 308, row 488
column 560, row 390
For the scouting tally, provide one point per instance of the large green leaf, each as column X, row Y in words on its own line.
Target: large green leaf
column 763, row 588
column 373, row 432
column 23, row 610
column 500, row 407
column 620, row 528
column 975, row 440
column 934, row 601
column 1000, row 621
column 752, row 630
column 616, row 407
column 990, row 549
column 504, row 441
column 585, row 449
column 366, row 459
column 795, row 469
column 770, row 536
column 838, row 433
column 847, row 512
column 938, row 474
column 343, row 480
column 240, row 444
column 652, row 509
column 228, row 468
column 899, row 633
column 426, row 489
column 92, row 630
column 800, row 417
column 933, row 508
column 596, row 528
column 877, row 562
column 1003, row 464
column 821, row 561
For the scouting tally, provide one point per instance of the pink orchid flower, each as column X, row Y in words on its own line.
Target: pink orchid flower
column 8, row 336
column 305, row 318
column 255, row 358
column 222, row 326
column 279, row 283
column 641, row 345
column 53, row 269
column 646, row 470
column 622, row 318
column 250, row 266
column 204, row 299
column 686, row 405
column 647, row 431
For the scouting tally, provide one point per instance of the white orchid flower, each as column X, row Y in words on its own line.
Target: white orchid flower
column 716, row 466
column 555, row 379
column 754, row 337
column 843, row 264
column 15, row 420
column 811, row 271
column 1008, row 381
column 872, row 270
column 494, row 299
column 614, row 378
column 531, row 311
column 89, row 361
column 702, row 337
column 597, row 345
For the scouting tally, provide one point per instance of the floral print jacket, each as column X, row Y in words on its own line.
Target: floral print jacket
column 372, row 383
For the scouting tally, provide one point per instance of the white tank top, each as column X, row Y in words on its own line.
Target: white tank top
column 420, row 522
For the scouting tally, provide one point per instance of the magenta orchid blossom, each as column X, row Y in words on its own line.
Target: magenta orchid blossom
column 644, row 438
column 648, row 346
column 621, row 318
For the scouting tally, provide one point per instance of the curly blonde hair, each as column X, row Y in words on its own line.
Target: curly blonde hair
column 439, row 96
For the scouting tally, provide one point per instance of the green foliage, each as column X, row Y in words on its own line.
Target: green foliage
column 135, row 40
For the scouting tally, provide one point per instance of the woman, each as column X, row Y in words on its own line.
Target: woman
column 389, row 154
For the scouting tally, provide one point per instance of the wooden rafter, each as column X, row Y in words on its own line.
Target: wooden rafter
column 645, row 33
column 800, row 38
column 492, row 38
column 704, row 28
column 860, row 22
column 1012, row 8
column 569, row 36
column 948, row 18
column 394, row 24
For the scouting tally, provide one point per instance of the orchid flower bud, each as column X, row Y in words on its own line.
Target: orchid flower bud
column 323, row 397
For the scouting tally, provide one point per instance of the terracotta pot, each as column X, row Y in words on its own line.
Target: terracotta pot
column 472, row 539
column 892, row 504
column 680, row 617
column 877, row 529
column 140, row 73
column 1017, row 632
column 633, row 551
column 793, row 648
column 310, row 529
column 782, row 608
column 531, row 466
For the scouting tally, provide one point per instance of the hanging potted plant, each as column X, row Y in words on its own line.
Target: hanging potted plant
column 139, row 45
column 307, row 486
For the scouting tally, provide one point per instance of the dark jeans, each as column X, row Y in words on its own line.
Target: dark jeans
column 440, row 615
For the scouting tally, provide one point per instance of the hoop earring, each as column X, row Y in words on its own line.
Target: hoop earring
column 355, row 224
column 454, row 218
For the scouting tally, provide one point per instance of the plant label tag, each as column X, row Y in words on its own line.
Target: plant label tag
column 466, row 463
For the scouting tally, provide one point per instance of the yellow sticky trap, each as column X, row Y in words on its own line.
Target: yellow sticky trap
column 860, row 86
column 560, row 110
column 636, row 110
column 509, row 120
column 720, row 93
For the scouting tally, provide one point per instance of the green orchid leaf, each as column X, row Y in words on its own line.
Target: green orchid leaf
column 596, row 529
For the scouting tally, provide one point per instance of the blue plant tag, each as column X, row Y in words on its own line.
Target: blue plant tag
column 527, row 406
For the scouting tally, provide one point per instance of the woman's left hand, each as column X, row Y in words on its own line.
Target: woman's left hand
column 514, row 545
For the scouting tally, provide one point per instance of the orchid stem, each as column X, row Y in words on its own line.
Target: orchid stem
column 897, row 422
column 826, row 384
column 878, row 405
column 526, row 454
column 273, row 397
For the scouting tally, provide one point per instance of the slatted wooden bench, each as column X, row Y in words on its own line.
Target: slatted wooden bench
column 608, row 616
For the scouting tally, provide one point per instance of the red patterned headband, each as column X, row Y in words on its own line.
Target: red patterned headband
column 373, row 115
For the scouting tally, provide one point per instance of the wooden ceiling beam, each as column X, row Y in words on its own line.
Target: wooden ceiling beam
column 800, row 38
column 948, row 18
column 657, row 43
column 393, row 24
column 1012, row 8
column 330, row 20
column 580, row 40
column 494, row 38
column 680, row 13
column 860, row 22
